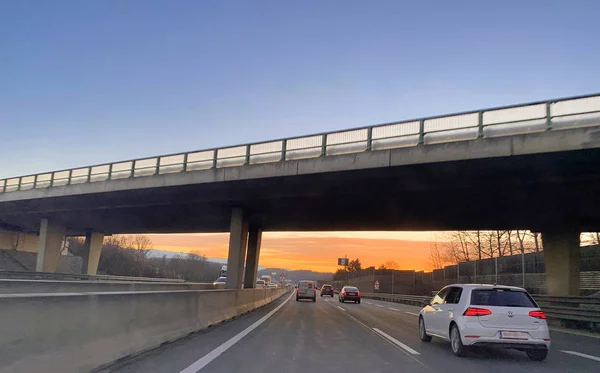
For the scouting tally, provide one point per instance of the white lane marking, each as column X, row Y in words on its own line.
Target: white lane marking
column 581, row 355
column 396, row 342
column 368, row 303
column 202, row 362
column 393, row 309
column 341, row 308
column 379, row 305
column 411, row 313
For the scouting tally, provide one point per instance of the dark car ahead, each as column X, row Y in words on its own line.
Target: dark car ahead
column 349, row 293
column 327, row 290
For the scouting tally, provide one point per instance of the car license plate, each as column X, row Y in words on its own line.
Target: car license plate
column 513, row 335
column 351, row 293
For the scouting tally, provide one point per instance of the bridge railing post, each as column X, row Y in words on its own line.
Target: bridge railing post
column 157, row 167
column 185, row 157
column 283, row 149
column 548, row 116
column 421, row 131
column 480, row 125
column 247, row 159
column 324, row 145
column 369, row 139
column 214, row 160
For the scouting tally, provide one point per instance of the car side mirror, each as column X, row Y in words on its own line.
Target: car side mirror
column 426, row 302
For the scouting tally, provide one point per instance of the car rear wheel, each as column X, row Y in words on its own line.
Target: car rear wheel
column 358, row 301
column 314, row 299
column 297, row 299
column 456, row 343
column 422, row 331
column 537, row 355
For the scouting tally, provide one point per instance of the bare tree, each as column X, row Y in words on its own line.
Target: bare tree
column 436, row 256
column 590, row 238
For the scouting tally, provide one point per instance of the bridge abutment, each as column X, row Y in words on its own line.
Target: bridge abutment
column 238, row 238
column 91, row 252
column 50, row 245
column 562, row 259
column 254, row 240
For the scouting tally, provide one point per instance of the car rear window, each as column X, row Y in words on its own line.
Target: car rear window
column 352, row 289
column 501, row 298
column 327, row 287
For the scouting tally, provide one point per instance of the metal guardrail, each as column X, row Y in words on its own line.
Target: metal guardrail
column 572, row 112
column 18, row 275
column 583, row 310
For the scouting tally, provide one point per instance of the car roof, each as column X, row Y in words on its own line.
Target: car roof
column 490, row 286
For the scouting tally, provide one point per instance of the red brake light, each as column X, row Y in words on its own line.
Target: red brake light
column 537, row 314
column 472, row 311
column 344, row 293
column 358, row 293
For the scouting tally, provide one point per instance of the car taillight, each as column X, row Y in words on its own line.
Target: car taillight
column 537, row 314
column 344, row 293
column 358, row 293
column 472, row 311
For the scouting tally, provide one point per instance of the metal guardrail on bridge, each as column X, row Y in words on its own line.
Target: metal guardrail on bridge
column 572, row 112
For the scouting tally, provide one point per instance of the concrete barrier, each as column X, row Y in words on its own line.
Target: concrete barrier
column 79, row 332
column 55, row 286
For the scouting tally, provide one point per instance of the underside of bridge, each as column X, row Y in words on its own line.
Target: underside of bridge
column 537, row 192
column 553, row 193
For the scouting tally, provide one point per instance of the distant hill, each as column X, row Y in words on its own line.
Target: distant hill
column 297, row 275
column 154, row 253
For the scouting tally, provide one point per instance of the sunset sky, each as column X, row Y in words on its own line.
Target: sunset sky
column 317, row 251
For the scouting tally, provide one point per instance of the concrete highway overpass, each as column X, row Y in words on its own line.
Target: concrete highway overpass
column 533, row 166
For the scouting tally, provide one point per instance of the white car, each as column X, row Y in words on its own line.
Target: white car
column 260, row 284
column 220, row 281
column 487, row 316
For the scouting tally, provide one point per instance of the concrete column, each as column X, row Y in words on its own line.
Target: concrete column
column 50, row 244
column 562, row 259
column 238, row 237
column 254, row 239
column 91, row 252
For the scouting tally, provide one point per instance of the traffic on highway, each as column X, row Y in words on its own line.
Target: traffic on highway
column 373, row 336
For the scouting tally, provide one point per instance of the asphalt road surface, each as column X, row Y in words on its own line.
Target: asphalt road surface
column 328, row 336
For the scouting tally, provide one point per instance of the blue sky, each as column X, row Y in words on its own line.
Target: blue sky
column 92, row 82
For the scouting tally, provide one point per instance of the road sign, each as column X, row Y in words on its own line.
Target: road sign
column 343, row 261
column 376, row 285
column 273, row 273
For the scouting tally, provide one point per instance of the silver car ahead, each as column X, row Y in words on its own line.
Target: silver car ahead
column 488, row 316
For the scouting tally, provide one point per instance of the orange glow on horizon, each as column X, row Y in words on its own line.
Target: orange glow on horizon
column 317, row 251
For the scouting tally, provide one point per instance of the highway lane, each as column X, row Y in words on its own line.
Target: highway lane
column 299, row 337
column 328, row 336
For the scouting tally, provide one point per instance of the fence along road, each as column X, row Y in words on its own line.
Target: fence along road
column 557, row 114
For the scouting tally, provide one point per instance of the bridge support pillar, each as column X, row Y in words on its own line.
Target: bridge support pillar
column 562, row 259
column 50, row 245
column 238, row 237
column 91, row 252
column 254, row 238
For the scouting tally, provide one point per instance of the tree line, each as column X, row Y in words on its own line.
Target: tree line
column 128, row 255
column 464, row 246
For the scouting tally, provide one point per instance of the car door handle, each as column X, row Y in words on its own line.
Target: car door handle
column 450, row 309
